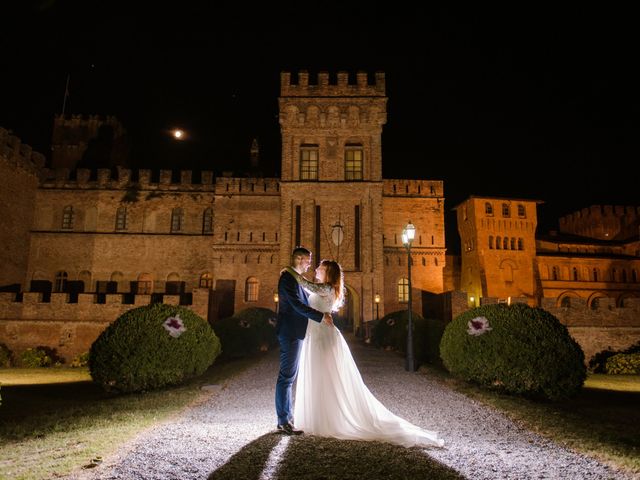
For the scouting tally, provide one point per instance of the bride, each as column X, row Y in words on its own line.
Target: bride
column 331, row 398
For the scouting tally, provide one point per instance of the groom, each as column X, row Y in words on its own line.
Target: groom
column 291, row 328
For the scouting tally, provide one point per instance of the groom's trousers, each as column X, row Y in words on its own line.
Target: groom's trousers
column 289, row 356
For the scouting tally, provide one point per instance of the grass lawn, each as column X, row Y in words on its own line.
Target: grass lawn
column 54, row 420
column 602, row 421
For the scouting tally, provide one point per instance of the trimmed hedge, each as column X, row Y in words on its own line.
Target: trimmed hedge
column 40, row 357
column 249, row 331
column 598, row 363
column 526, row 352
column 137, row 352
column 391, row 332
column 624, row 364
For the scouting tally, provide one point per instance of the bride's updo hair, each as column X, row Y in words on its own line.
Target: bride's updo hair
column 335, row 278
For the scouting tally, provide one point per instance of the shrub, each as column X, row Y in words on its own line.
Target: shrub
column 598, row 363
column 6, row 358
column 249, row 331
column 527, row 351
column 39, row 357
column 624, row 363
column 391, row 332
column 81, row 360
column 145, row 348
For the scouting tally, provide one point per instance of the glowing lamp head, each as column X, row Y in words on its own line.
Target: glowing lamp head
column 409, row 233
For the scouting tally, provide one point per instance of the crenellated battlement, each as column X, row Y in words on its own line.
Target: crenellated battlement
column 605, row 222
column 19, row 155
column 123, row 178
column 326, row 85
column 412, row 188
column 247, row 186
column 90, row 123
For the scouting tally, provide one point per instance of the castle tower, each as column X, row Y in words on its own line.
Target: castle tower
column 331, row 182
column 92, row 141
column 498, row 247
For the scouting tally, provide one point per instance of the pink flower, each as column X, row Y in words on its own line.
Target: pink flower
column 478, row 326
column 175, row 326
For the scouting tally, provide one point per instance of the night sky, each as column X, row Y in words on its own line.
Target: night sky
column 529, row 103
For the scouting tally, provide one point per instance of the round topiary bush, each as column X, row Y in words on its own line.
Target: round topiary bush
column 249, row 331
column 390, row 332
column 516, row 349
column 152, row 346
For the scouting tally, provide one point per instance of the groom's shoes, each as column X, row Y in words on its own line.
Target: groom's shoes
column 289, row 429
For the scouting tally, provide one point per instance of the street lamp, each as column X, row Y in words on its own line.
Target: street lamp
column 276, row 299
column 377, row 300
column 408, row 234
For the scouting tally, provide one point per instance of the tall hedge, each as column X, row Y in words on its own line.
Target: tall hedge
column 249, row 331
column 145, row 348
column 524, row 351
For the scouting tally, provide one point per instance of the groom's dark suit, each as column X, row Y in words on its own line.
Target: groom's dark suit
column 291, row 328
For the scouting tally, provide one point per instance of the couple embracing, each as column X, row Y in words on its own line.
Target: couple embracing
column 331, row 399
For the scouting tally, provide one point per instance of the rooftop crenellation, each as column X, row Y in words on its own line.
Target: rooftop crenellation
column 422, row 188
column 18, row 154
column 328, row 85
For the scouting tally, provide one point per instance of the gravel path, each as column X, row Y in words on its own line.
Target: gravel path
column 230, row 435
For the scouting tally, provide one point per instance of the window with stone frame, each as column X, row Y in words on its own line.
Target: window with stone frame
column 309, row 155
column 207, row 221
column 61, row 281
column 177, row 217
column 121, row 219
column 506, row 211
column 403, row 290
column 67, row 218
column 206, row 281
column 488, row 209
column 251, row 289
column 522, row 213
column 353, row 156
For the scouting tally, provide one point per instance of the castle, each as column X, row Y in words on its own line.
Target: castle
column 82, row 246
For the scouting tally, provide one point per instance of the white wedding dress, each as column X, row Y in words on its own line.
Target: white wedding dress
column 331, row 398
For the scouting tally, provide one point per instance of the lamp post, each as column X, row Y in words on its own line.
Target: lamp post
column 408, row 234
column 276, row 299
column 377, row 300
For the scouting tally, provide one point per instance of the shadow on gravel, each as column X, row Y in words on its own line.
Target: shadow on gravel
column 309, row 457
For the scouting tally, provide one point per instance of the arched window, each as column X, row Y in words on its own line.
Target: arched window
column 251, row 289
column 521, row 211
column 555, row 273
column 435, row 261
column 513, row 243
column 424, row 262
column 207, row 221
column 61, row 281
column 144, row 284
column 498, row 243
column 520, row 244
column 595, row 274
column 488, row 209
column 565, row 302
column 403, row 290
column 177, row 216
column 505, row 243
column 575, row 274
column 116, row 281
column 634, row 276
column 595, row 303
column 85, row 278
column 624, row 275
column 614, row 275
column 206, row 281
column 506, row 211
column 67, row 218
column 490, row 242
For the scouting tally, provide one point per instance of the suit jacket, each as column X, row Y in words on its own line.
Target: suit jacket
column 294, row 311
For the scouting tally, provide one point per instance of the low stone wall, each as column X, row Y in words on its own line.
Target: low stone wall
column 70, row 328
column 596, row 339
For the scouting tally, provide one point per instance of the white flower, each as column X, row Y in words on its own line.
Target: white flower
column 478, row 326
column 175, row 326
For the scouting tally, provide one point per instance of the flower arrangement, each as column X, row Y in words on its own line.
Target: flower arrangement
column 175, row 326
column 477, row 326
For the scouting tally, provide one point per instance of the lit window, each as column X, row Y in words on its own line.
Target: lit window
column 403, row 290
column 61, row 281
column 521, row 211
column 251, row 290
column 505, row 210
column 309, row 162
column 353, row 163
column 206, row 281
column 67, row 218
